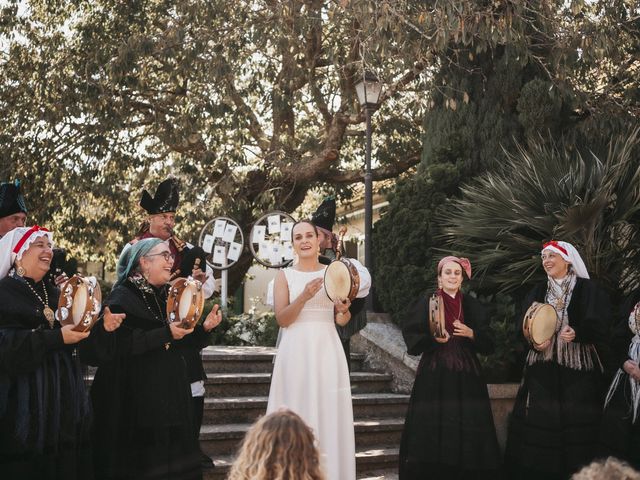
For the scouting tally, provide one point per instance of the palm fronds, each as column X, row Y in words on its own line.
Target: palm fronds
column 550, row 191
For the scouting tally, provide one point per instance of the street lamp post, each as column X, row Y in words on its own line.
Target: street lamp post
column 368, row 90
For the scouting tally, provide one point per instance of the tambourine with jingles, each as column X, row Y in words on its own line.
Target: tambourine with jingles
column 341, row 280
column 79, row 303
column 540, row 323
column 341, row 277
column 185, row 302
column 436, row 316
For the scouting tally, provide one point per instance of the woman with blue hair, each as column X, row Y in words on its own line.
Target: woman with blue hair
column 141, row 393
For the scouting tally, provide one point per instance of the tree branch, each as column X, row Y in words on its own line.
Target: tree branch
column 403, row 81
column 252, row 120
column 381, row 173
column 312, row 53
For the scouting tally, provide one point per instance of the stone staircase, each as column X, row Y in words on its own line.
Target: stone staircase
column 237, row 390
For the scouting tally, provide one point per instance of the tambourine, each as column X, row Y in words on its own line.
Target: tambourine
column 341, row 280
column 540, row 323
column 79, row 303
column 436, row 316
column 185, row 302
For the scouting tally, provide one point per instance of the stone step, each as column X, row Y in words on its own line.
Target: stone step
column 257, row 384
column 248, row 409
column 225, row 439
column 371, row 463
column 219, row 359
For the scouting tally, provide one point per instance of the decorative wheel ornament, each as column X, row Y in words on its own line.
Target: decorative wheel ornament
column 223, row 241
column 270, row 239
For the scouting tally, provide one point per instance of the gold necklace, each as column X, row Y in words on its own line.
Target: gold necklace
column 48, row 313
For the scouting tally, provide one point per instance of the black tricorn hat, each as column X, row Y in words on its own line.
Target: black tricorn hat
column 11, row 199
column 325, row 215
column 165, row 200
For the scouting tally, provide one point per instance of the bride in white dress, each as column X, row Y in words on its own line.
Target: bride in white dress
column 310, row 375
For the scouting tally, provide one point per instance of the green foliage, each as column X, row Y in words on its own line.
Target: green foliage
column 472, row 117
column 538, row 116
column 252, row 103
column 552, row 190
column 249, row 103
column 487, row 99
column 247, row 329
column 399, row 242
column 502, row 364
column 243, row 329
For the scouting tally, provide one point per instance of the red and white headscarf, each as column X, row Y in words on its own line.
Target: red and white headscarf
column 463, row 262
column 569, row 253
column 16, row 242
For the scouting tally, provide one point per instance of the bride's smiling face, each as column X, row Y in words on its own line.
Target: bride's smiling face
column 305, row 240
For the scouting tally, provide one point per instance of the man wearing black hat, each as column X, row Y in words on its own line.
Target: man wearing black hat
column 323, row 218
column 13, row 211
column 161, row 219
column 189, row 260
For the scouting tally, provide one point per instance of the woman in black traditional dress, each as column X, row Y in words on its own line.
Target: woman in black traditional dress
column 553, row 429
column 449, row 431
column 620, row 427
column 141, row 393
column 44, row 409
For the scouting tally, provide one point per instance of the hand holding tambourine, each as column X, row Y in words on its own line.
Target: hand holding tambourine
column 342, row 305
column 178, row 331
column 443, row 339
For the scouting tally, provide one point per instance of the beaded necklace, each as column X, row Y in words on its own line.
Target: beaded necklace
column 144, row 287
column 47, row 310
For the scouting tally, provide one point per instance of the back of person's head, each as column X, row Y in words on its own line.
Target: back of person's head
column 279, row 446
column 607, row 469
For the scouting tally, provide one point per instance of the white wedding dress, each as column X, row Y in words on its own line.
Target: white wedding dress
column 310, row 377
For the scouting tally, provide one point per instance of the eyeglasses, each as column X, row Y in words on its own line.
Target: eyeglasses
column 168, row 256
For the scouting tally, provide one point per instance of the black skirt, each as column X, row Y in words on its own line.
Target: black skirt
column 553, row 429
column 449, row 430
column 619, row 435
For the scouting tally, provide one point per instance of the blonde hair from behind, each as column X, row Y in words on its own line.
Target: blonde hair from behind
column 279, row 446
column 607, row 469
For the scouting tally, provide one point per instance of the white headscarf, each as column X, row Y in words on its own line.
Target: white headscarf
column 16, row 242
column 570, row 254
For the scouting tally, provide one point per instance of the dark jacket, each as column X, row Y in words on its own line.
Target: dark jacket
column 418, row 338
column 589, row 310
